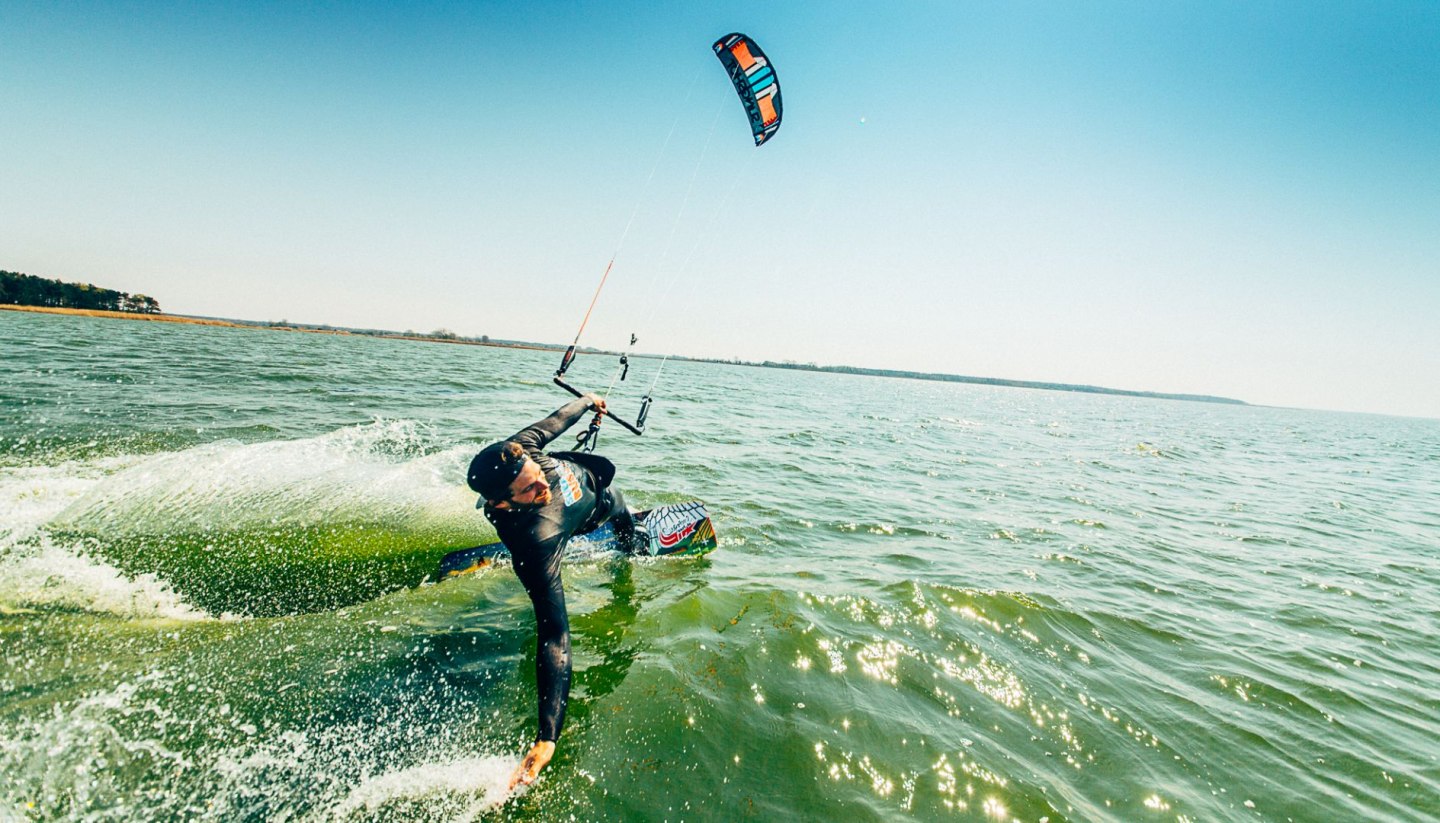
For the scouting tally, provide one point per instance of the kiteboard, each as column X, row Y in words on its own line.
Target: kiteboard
column 677, row 529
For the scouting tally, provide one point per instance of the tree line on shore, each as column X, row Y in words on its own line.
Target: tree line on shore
column 19, row 289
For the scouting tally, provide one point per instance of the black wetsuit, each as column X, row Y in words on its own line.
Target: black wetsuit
column 580, row 501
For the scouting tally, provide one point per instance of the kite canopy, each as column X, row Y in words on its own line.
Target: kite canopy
column 754, row 80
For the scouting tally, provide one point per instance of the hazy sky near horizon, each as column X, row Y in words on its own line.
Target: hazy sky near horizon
column 1233, row 198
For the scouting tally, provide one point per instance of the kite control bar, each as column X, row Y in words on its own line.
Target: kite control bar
column 560, row 381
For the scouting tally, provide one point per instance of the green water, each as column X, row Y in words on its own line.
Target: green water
column 930, row 601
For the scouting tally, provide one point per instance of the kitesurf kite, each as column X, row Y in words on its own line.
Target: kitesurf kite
column 759, row 90
column 754, row 80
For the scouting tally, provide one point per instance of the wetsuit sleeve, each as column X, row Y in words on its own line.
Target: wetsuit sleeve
column 537, row 435
column 539, row 572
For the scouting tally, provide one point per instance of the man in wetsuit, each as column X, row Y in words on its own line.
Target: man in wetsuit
column 537, row 502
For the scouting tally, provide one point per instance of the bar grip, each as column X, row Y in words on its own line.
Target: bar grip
column 567, row 387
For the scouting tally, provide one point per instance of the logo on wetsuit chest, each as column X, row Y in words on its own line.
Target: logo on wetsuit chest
column 569, row 484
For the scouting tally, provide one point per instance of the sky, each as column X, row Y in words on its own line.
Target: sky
column 1228, row 198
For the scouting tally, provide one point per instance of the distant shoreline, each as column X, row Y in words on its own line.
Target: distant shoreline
column 282, row 325
column 119, row 315
column 515, row 344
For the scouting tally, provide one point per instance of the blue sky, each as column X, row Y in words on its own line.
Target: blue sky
column 1239, row 199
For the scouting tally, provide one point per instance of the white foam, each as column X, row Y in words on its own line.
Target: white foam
column 456, row 790
column 36, row 572
column 84, row 754
column 375, row 471
column 349, row 773
column 77, row 753
column 45, row 575
column 31, row 495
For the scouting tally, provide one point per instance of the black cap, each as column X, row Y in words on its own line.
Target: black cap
column 490, row 476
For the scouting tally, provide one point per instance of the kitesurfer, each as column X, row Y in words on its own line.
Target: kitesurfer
column 537, row 502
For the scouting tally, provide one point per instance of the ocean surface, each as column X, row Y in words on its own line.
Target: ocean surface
column 930, row 601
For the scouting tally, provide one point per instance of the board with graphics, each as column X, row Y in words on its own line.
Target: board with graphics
column 677, row 529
